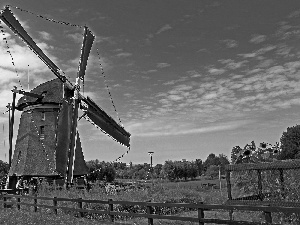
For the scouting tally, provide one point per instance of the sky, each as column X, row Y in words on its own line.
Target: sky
column 187, row 77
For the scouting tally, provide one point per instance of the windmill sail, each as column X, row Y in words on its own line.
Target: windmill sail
column 86, row 48
column 63, row 138
column 105, row 122
column 8, row 18
column 80, row 167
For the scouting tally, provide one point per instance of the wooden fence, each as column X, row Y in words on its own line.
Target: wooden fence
column 200, row 207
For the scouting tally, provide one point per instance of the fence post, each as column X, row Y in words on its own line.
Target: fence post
column 268, row 215
column 80, row 207
column 55, row 205
column 110, row 209
column 149, row 211
column 18, row 203
column 4, row 199
column 35, row 203
column 200, row 213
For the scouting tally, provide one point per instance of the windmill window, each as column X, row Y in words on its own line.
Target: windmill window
column 42, row 132
column 43, row 116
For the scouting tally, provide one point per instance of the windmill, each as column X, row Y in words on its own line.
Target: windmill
column 48, row 143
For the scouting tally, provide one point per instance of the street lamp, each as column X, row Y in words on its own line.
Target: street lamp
column 150, row 153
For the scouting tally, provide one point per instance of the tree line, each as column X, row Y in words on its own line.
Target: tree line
column 170, row 170
column 289, row 148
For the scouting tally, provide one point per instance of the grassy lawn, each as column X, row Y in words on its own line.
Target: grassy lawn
column 189, row 192
column 194, row 184
column 23, row 217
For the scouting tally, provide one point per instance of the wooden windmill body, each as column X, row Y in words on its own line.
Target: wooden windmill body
column 48, row 143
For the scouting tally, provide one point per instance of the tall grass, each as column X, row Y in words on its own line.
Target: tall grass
column 156, row 193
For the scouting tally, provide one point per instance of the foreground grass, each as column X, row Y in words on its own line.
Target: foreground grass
column 12, row 216
column 157, row 193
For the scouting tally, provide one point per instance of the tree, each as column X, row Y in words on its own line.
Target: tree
column 290, row 143
column 220, row 160
column 264, row 153
column 210, row 160
column 169, row 170
column 4, row 168
column 101, row 171
column 199, row 165
column 235, row 150
column 212, row 171
column 109, row 173
column 157, row 170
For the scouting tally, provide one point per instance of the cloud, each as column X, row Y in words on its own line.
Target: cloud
column 124, row 54
column 149, row 71
column 158, row 128
column 22, row 56
column 45, row 35
column 259, row 52
column 265, row 63
column 214, row 4
column 230, row 43
column 100, row 39
column 287, row 31
column 164, row 28
column 284, row 50
column 171, row 82
column 193, row 73
column 215, row 71
column 231, row 64
column 77, row 37
column 162, row 65
column 294, row 14
column 257, row 38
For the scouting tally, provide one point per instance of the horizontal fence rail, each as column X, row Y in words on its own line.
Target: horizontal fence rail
column 9, row 200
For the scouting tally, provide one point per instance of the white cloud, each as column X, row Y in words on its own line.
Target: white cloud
column 231, row 64
column 259, row 52
column 294, row 14
column 153, row 128
column 175, row 97
column 77, row 37
column 211, row 95
column 162, row 65
column 124, row 54
column 45, row 35
column 164, row 28
column 215, row 71
column 230, row 43
column 149, row 71
column 258, row 38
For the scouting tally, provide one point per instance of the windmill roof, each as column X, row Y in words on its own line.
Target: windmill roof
column 52, row 90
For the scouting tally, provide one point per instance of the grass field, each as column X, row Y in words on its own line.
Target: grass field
column 194, row 184
column 160, row 192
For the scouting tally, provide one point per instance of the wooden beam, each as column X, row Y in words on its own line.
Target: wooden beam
column 259, row 182
column 281, row 182
column 73, row 134
column 228, row 185
column 28, row 94
column 11, row 126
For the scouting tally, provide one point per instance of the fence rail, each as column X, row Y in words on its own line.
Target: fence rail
column 201, row 208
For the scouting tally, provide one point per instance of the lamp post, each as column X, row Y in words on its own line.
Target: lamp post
column 151, row 153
